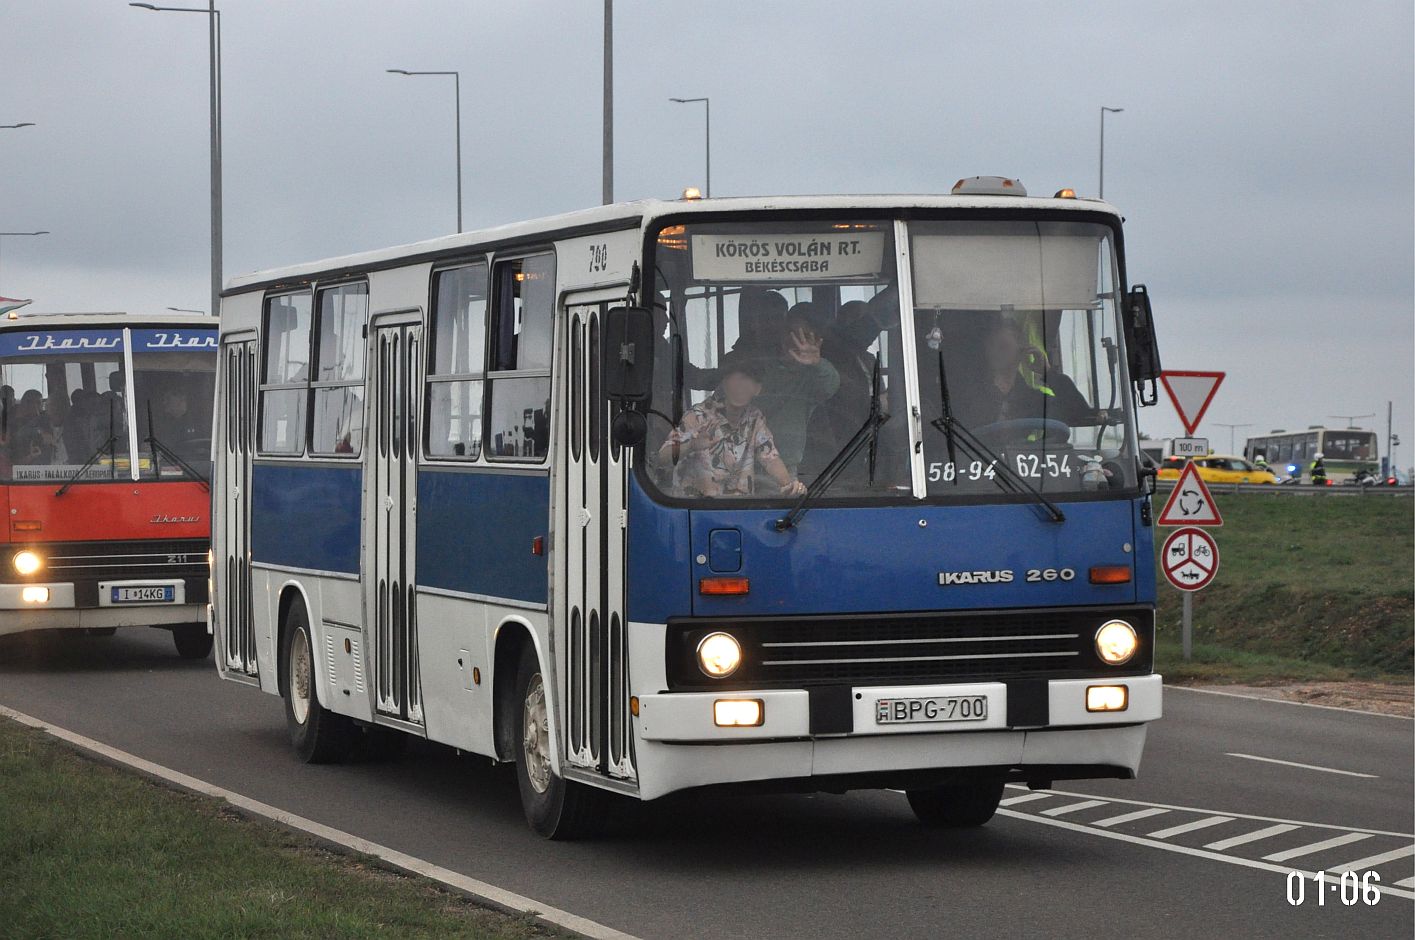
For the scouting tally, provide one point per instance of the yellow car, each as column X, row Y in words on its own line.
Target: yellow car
column 1217, row 468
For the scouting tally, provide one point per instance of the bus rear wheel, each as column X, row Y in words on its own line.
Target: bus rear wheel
column 192, row 640
column 318, row 735
column 555, row 808
column 956, row 805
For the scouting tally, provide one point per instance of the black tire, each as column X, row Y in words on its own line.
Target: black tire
column 562, row 809
column 956, row 805
column 322, row 737
column 192, row 640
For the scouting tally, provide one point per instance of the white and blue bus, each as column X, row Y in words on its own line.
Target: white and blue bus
column 804, row 492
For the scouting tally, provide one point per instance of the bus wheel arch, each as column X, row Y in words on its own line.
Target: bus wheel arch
column 512, row 636
column 290, row 595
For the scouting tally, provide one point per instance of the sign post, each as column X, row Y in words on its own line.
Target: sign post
column 1189, row 557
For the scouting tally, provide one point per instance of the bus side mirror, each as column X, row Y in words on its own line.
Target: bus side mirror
column 628, row 355
column 1141, row 345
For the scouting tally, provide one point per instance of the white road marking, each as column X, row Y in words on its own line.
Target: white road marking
column 1204, row 823
column 489, row 894
column 1371, row 861
column 1253, row 836
column 1129, row 817
column 1405, row 883
column 1072, row 807
column 1024, row 798
column 1178, row 849
column 1214, row 812
column 1283, row 701
column 1292, row 763
column 1316, row 847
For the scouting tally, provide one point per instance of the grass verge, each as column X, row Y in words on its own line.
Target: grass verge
column 1310, row 588
column 89, row 850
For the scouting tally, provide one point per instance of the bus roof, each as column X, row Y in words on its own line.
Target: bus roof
column 632, row 214
column 18, row 320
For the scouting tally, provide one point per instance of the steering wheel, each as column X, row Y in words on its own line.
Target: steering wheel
column 1026, row 431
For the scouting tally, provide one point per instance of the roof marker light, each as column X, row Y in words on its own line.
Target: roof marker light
column 989, row 186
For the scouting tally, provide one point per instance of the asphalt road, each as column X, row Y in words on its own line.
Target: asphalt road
column 1117, row 858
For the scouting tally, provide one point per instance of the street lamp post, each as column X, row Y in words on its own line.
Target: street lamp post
column 1231, row 429
column 457, row 98
column 707, row 143
column 607, row 161
column 214, row 33
column 1104, row 109
column 4, row 235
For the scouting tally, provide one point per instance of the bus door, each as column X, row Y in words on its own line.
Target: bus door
column 391, row 509
column 232, row 569
column 591, row 609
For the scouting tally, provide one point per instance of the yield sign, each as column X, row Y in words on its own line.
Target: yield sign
column 1191, row 393
column 1189, row 559
column 1190, row 502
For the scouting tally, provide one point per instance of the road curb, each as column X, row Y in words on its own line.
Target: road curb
column 481, row 892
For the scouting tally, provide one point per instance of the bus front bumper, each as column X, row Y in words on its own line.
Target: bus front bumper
column 57, row 611
column 681, row 746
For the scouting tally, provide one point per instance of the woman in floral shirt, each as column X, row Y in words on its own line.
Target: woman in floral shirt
column 721, row 442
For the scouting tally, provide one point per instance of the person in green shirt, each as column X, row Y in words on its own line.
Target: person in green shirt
column 795, row 381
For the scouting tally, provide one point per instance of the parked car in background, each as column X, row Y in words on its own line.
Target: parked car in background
column 1217, row 468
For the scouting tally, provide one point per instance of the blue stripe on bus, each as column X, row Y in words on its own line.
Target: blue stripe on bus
column 306, row 516
column 475, row 531
column 878, row 559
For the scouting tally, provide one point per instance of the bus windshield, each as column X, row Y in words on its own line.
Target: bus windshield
column 1349, row 445
column 1018, row 338
column 777, row 339
column 66, row 400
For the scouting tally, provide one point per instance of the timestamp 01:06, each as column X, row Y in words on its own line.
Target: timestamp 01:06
column 1350, row 887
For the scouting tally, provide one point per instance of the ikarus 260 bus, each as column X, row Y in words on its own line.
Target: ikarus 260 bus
column 802, row 492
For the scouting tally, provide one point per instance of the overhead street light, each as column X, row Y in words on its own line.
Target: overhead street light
column 21, row 124
column 4, row 235
column 707, row 144
column 1104, row 111
column 185, row 310
column 1351, row 419
column 214, row 31
column 457, row 97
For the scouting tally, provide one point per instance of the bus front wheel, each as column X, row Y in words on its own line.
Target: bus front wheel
column 192, row 640
column 318, row 735
column 956, row 805
column 555, row 808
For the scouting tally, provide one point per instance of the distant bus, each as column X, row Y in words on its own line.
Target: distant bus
column 105, row 452
column 501, row 491
column 1344, row 451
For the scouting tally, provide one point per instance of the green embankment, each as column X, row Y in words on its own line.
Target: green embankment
column 1309, row 587
column 87, row 850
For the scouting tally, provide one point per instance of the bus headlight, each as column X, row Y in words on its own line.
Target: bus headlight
column 1116, row 642
column 27, row 562
column 719, row 655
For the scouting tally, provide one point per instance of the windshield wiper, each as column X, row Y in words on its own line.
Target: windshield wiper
column 1006, row 477
column 110, row 445
column 157, row 447
column 868, row 434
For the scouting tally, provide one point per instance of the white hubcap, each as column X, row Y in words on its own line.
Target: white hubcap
column 300, row 676
column 535, row 736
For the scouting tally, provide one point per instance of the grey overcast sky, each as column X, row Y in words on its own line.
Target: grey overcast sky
column 1265, row 159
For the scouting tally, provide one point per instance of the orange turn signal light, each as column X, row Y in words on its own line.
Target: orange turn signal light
column 27, row 525
column 1110, row 574
column 722, row 586
column 1067, row 193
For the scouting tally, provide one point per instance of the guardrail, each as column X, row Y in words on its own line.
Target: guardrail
column 1297, row 489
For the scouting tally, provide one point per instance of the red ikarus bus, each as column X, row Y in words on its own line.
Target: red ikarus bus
column 105, row 461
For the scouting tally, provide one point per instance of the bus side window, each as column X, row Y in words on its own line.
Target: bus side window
column 519, row 373
column 285, row 377
column 457, row 372
column 339, row 371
